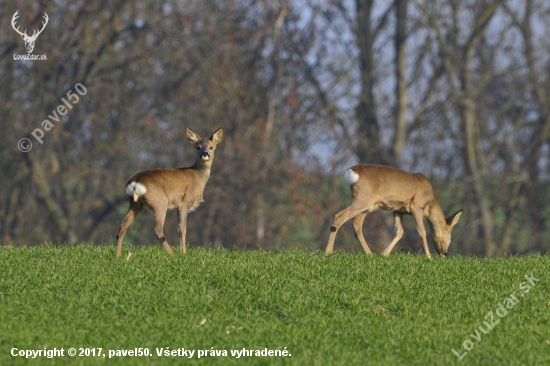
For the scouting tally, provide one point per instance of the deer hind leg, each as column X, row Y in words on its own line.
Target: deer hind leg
column 358, row 228
column 182, row 222
column 339, row 219
column 160, row 216
column 421, row 230
column 133, row 211
column 398, row 232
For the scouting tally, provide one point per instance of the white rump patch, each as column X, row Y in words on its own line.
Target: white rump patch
column 351, row 177
column 136, row 187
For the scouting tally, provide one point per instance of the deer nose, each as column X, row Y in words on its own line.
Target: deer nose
column 205, row 155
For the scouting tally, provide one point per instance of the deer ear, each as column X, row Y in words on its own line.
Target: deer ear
column 217, row 136
column 453, row 219
column 192, row 136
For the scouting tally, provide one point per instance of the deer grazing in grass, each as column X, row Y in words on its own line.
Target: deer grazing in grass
column 162, row 189
column 382, row 187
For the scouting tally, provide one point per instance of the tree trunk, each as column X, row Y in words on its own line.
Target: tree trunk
column 401, row 95
column 467, row 114
column 368, row 148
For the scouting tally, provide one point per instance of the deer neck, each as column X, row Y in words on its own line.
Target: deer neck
column 202, row 168
column 437, row 219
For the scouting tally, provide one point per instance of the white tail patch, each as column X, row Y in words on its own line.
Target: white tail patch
column 351, row 177
column 136, row 190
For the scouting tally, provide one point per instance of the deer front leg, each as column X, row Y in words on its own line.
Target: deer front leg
column 417, row 214
column 160, row 216
column 182, row 221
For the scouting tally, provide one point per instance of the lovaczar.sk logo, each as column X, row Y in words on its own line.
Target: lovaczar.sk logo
column 29, row 40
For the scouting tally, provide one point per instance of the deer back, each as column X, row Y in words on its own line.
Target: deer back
column 387, row 188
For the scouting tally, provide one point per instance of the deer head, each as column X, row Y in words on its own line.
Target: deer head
column 29, row 40
column 442, row 232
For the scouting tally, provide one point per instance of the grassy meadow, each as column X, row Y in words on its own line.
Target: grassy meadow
column 344, row 309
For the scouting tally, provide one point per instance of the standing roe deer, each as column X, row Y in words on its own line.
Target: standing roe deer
column 162, row 189
column 382, row 187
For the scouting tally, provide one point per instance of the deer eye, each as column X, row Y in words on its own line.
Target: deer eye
column 198, row 148
column 211, row 147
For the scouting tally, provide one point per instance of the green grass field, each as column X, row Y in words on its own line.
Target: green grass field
column 344, row 309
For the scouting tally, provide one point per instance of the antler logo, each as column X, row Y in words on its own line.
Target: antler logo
column 29, row 40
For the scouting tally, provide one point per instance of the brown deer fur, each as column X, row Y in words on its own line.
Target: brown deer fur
column 382, row 187
column 162, row 189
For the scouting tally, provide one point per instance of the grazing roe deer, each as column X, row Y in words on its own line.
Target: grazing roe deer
column 162, row 189
column 382, row 187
